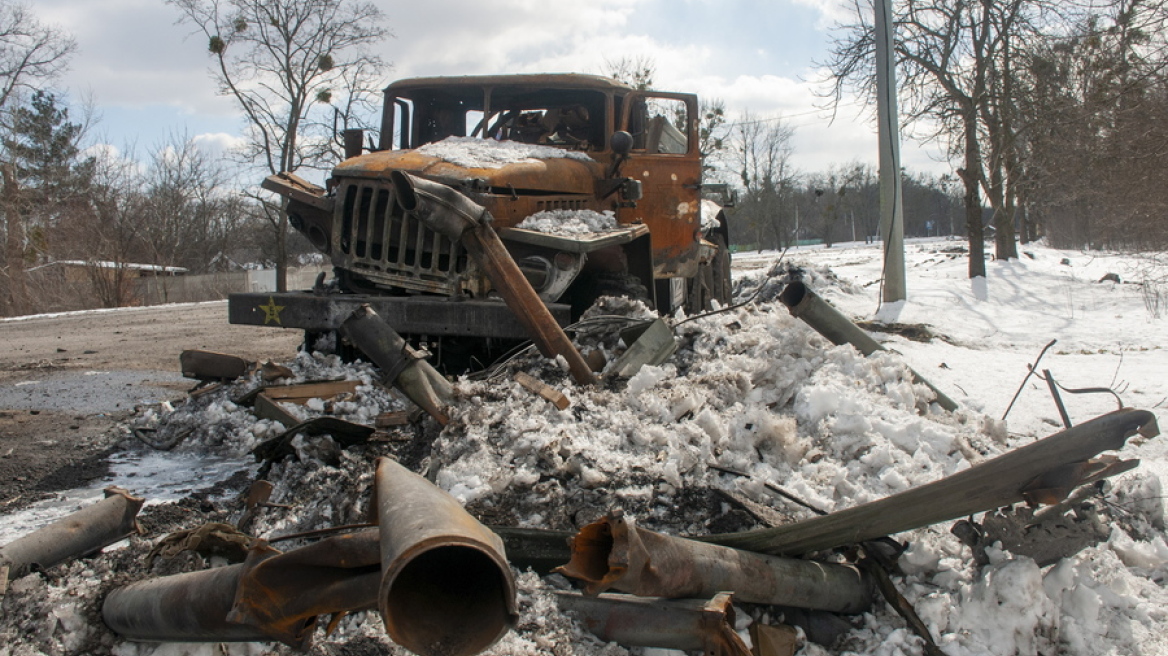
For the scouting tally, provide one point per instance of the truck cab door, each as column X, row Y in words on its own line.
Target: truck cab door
column 665, row 158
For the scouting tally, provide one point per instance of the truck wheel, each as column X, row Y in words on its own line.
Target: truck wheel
column 712, row 282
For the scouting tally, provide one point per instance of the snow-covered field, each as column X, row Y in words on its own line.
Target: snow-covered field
column 755, row 390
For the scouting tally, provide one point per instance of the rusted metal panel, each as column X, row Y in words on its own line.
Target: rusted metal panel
column 446, row 587
column 614, row 553
column 209, row 365
column 409, row 315
column 996, row 483
column 686, row 624
column 84, row 532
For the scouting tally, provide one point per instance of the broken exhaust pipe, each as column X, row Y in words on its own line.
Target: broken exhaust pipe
column 827, row 321
column 460, row 219
column 401, row 365
column 446, row 588
column 83, row 532
column 614, row 553
column 690, row 625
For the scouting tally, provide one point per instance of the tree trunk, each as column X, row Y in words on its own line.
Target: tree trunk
column 14, row 246
column 971, row 177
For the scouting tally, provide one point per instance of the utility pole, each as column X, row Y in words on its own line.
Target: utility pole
column 891, row 200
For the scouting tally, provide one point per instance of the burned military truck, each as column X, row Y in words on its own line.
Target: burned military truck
column 594, row 188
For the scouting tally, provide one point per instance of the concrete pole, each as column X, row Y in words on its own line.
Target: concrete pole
column 891, row 199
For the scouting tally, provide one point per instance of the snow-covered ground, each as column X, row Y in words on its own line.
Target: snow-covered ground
column 753, row 389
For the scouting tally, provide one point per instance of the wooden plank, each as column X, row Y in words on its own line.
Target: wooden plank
column 301, row 393
column 543, row 389
column 266, row 408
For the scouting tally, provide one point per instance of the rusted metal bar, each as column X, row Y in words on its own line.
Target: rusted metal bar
column 614, row 553
column 1058, row 399
column 685, row 624
column 831, row 323
column 449, row 212
column 1058, row 462
column 83, row 532
column 400, row 364
column 446, row 587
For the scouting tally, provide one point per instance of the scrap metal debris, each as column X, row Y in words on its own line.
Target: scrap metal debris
column 210, row 366
column 84, row 532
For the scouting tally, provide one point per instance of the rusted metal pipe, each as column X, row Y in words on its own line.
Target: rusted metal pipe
column 614, row 553
column 449, row 212
column 831, row 323
column 270, row 596
column 685, row 624
column 190, row 607
column 446, row 587
column 83, row 532
column 401, row 365
column 1036, row 472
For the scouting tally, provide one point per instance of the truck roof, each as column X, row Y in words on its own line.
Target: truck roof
column 537, row 80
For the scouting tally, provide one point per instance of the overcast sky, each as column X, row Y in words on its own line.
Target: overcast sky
column 148, row 76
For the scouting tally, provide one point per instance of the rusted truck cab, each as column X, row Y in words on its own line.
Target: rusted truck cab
column 544, row 155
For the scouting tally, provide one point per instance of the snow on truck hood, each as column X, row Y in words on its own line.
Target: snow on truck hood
column 498, row 163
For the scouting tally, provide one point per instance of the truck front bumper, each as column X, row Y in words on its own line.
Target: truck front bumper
column 408, row 315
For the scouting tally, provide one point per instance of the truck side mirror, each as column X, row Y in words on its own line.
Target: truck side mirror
column 621, row 142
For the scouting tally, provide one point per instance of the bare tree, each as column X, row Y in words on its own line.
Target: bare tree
column 282, row 60
column 955, row 71
column 760, row 150
column 30, row 53
column 637, row 72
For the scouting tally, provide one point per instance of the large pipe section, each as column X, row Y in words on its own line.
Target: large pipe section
column 460, row 219
column 401, row 366
column 613, row 553
column 190, row 607
column 1041, row 471
column 84, row 532
column 270, row 596
column 446, row 587
column 827, row 321
column 690, row 625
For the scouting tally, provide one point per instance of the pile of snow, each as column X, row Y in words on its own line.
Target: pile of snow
column 475, row 153
column 754, row 390
column 570, row 222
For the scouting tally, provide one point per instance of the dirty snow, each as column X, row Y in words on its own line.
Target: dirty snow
column 570, row 222
column 475, row 153
column 754, row 390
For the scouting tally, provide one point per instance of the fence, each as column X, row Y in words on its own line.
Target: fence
column 156, row 290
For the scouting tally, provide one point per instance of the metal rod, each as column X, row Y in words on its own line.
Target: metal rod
column 827, row 321
column 1029, row 372
column 614, row 553
column 83, row 532
column 446, row 587
column 1058, row 399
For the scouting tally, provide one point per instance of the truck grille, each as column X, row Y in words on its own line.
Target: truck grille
column 380, row 242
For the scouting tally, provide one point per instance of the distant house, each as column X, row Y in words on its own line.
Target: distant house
column 82, row 270
column 85, row 284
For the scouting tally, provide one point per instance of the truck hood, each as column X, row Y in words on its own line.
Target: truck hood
column 522, row 167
